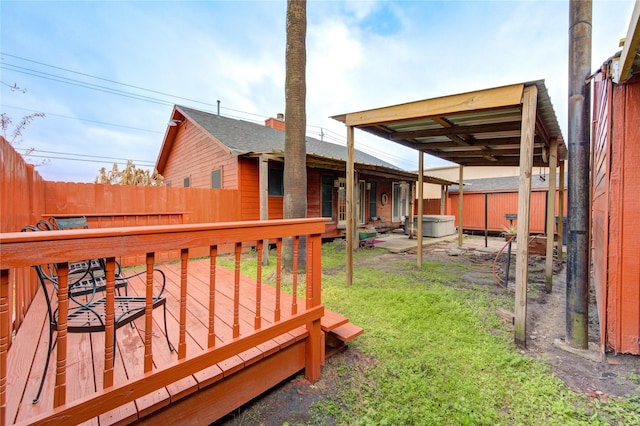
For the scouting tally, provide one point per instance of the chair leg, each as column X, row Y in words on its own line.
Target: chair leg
column 46, row 367
column 166, row 333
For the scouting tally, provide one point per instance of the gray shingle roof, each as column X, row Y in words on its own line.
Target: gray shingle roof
column 507, row 183
column 244, row 137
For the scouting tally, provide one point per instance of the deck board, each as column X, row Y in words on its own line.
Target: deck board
column 85, row 364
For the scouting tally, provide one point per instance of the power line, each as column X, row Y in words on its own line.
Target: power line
column 29, row 151
column 83, row 119
column 106, row 79
column 374, row 151
column 79, row 159
column 82, row 84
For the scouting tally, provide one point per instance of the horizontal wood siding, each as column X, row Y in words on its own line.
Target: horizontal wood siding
column 276, row 208
column 249, row 175
column 195, row 155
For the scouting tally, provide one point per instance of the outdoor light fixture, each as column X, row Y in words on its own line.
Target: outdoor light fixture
column 174, row 122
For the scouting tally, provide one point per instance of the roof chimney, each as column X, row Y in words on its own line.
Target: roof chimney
column 276, row 123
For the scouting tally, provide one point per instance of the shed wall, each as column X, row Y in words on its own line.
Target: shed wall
column 624, row 249
column 498, row 204
column 615, row 214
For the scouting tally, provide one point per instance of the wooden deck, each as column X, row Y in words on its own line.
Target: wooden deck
column 252, row 352
column 85, row 363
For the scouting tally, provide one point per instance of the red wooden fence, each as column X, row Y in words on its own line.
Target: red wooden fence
column 27, row 198
column 498, row 204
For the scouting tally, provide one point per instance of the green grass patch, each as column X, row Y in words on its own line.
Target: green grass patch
column 440, row 354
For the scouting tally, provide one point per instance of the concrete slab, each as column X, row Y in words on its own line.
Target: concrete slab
column 399, row 243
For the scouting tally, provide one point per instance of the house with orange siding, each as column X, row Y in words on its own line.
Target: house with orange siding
column 206, row 150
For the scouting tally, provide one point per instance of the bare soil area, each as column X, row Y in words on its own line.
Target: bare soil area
column 615, row 375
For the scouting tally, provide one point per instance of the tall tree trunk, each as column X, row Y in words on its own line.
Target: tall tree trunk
column 295, row 150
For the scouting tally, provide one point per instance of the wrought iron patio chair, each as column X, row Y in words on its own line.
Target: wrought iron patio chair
column 95, row 283
column 88, row 304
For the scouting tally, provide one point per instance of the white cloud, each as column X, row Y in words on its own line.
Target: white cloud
column 360, row 55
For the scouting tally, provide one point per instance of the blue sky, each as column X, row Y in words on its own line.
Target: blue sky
column 107, row 73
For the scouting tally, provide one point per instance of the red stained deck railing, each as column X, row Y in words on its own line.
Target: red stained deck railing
column 23, row 250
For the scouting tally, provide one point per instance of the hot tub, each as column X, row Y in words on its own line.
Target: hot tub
column 433, row 225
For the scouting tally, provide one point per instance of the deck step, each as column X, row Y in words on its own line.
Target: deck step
column 332, row 320
column 347, row 332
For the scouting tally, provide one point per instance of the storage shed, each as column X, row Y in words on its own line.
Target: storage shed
column 616, row 205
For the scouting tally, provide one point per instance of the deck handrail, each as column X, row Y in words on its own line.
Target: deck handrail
column 21, row 250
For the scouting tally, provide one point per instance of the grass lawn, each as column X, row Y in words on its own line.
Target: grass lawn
column 440, row 355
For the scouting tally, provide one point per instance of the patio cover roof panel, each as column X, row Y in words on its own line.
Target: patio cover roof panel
column 484, row 122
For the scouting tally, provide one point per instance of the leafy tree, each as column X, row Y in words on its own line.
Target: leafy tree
column 130, row 175
column 295, row 151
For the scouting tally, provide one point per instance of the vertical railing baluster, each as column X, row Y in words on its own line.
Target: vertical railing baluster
column 148, row 315
column 213, row 256
column 4, row 342
column 236, row 293
column 294, row 290
column 278, row 278
column 258, row 320
column 109, row 331
column 59, row 393
column 184, row 261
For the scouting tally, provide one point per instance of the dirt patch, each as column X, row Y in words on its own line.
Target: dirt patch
column 292, row 402
column 616, row 375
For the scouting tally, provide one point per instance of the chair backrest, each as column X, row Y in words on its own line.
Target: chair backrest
column 79, row 222
column 86, row 277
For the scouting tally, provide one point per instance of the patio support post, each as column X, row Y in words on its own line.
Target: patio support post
column 551, row 210
column 561, row 241
column 460, row 193
column 420, row 203
column 527, row 132
column 350, row 228
column 264, row 201
column 443, row 198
